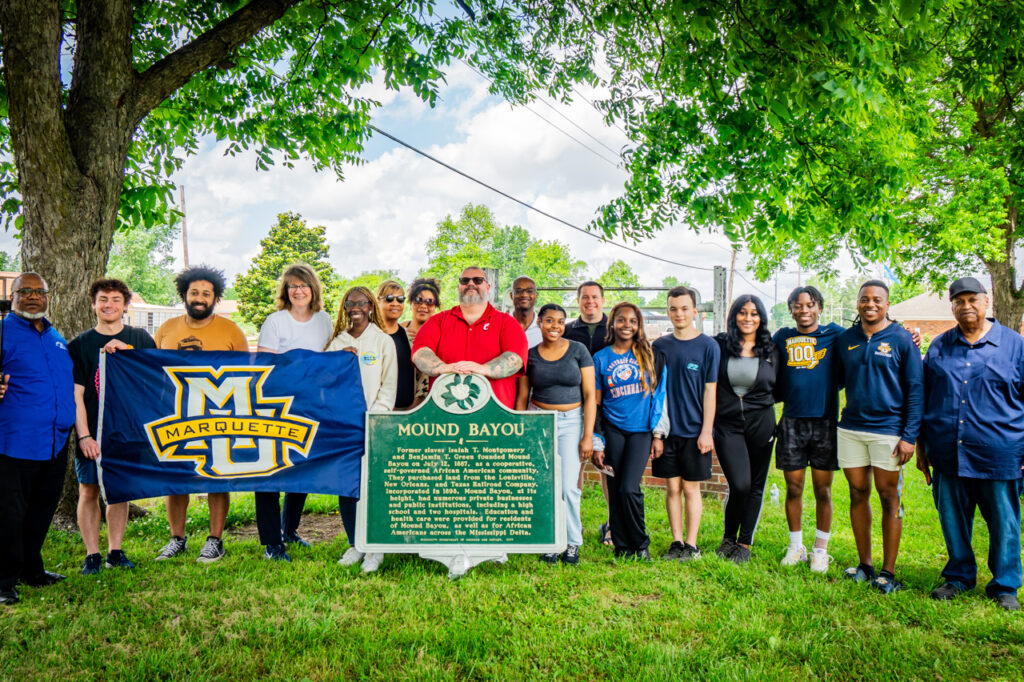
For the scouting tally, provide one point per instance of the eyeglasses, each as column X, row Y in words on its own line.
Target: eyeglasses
column 429, row 302
column 520, row 292
column 28, row 292
column 390, row 298
column 349, row 305
column 293, row 287
column 475, row 280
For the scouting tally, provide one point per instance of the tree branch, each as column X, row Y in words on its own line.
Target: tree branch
column 159, row 81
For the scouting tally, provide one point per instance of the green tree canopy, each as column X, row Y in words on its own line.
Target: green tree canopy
column 10, row 262
column 660, row 300
column 890, row 127
column 619, row 274
column 476, row 238
column 142, row 258
column 289, row 241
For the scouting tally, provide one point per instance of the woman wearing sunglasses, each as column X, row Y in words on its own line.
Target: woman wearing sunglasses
column 630, row 378
column 424, row 301
column 391, row 299
column 300, row 323
column 358, row 331
column 560, row 377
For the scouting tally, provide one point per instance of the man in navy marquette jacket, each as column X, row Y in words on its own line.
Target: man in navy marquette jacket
column 37, row 410
column 972, row 439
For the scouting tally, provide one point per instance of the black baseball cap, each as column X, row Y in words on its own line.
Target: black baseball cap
column 966, row 285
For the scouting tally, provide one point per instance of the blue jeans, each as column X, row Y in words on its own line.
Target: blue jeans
column 999, row 504
column 569, row 427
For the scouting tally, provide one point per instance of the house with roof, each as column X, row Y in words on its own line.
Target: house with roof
column 931, row 313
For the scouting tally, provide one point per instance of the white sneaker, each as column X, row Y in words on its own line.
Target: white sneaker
column 795, row 555
column 820, row 560
column 351, row 557
column 372, row 561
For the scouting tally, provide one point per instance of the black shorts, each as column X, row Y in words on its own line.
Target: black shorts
column 800, row 443
column 681, row 458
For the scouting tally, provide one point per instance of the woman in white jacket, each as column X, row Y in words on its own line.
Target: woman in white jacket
column 358, row 331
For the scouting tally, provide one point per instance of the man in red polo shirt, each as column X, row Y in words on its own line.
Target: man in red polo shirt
column 473, row 338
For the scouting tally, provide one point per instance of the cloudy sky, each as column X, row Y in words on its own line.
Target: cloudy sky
column 381, row 215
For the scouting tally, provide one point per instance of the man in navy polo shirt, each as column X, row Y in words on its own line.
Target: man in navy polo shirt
column 37, row 410
column 972, row 439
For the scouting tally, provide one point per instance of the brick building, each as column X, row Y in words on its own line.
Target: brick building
column 931, row 313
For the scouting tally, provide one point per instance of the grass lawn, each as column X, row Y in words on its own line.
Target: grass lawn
column 246, row 617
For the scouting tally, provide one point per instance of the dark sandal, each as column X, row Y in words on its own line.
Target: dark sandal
column 605, row 531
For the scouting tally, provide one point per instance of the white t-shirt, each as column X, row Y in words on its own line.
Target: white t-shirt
column 282, row 332
column 533, row 333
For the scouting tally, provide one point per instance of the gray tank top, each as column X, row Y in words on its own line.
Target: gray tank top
column 742, row 374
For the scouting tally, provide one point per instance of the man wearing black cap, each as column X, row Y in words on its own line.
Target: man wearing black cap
column 972, row 443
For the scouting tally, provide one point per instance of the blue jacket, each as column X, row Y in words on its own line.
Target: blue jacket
column 38, row 410
column 884, row 382
column 974, row 411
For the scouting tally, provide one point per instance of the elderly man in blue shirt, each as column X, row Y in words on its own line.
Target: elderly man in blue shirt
column 37, row 410
column 972, row 443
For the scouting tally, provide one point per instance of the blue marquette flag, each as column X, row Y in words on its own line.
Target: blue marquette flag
column 176, row 422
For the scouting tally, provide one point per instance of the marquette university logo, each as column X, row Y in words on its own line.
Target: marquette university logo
column 225, row 424
column 801, row 351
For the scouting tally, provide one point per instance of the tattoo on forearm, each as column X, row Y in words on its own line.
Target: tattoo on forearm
column 505, row 365
column 428, row 362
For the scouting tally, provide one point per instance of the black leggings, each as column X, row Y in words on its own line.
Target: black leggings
column 744, row 449
column 627, row 454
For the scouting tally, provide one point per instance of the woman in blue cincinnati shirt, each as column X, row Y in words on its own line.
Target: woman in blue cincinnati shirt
column 630, row 379
column 879, row 366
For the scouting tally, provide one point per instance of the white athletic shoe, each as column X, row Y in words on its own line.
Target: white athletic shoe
column 795, row 555
column 372, row 561
column 820, row 560
column 351, row 557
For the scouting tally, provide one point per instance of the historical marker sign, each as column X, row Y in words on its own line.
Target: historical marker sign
column 461, row 479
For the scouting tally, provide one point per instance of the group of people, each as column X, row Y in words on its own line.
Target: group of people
column 621, row 400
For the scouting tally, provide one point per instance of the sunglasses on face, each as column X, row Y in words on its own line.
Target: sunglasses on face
column 349, row 305
column 520, row 292
column 425, row 301
column 475, row 280
column 28, row 292
column 390, row 298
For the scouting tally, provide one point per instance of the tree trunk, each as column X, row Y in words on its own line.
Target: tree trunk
column 1007, row 289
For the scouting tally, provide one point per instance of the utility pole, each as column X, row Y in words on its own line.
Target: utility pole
column 184, row 226
column 732, row 272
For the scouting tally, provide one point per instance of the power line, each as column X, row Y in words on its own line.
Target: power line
column 755, row 287
column 559, row 129
column 598, row 110
column 531, row 207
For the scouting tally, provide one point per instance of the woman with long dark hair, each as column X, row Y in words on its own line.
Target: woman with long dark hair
column 745, row 420
column 357, row 330
column 630, row 379
column 560, row 377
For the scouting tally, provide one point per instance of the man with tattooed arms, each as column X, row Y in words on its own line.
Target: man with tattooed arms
column 473, row 338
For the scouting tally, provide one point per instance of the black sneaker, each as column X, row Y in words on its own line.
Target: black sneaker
column 212, row 551
column 740, row 554
column 176, row 546
column 293, row 539
column 1007, row 602
column 116, row 558
column 860, row 573
column 675, row 551
column 689, row 552
column 886, row 583
column 551, row 557
column 91, row 565
column 945, row 592
column 725, row 549
column 8, row 597
column 642, row 555
column 44, row 579
column 571, row 555
column 276, row 553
